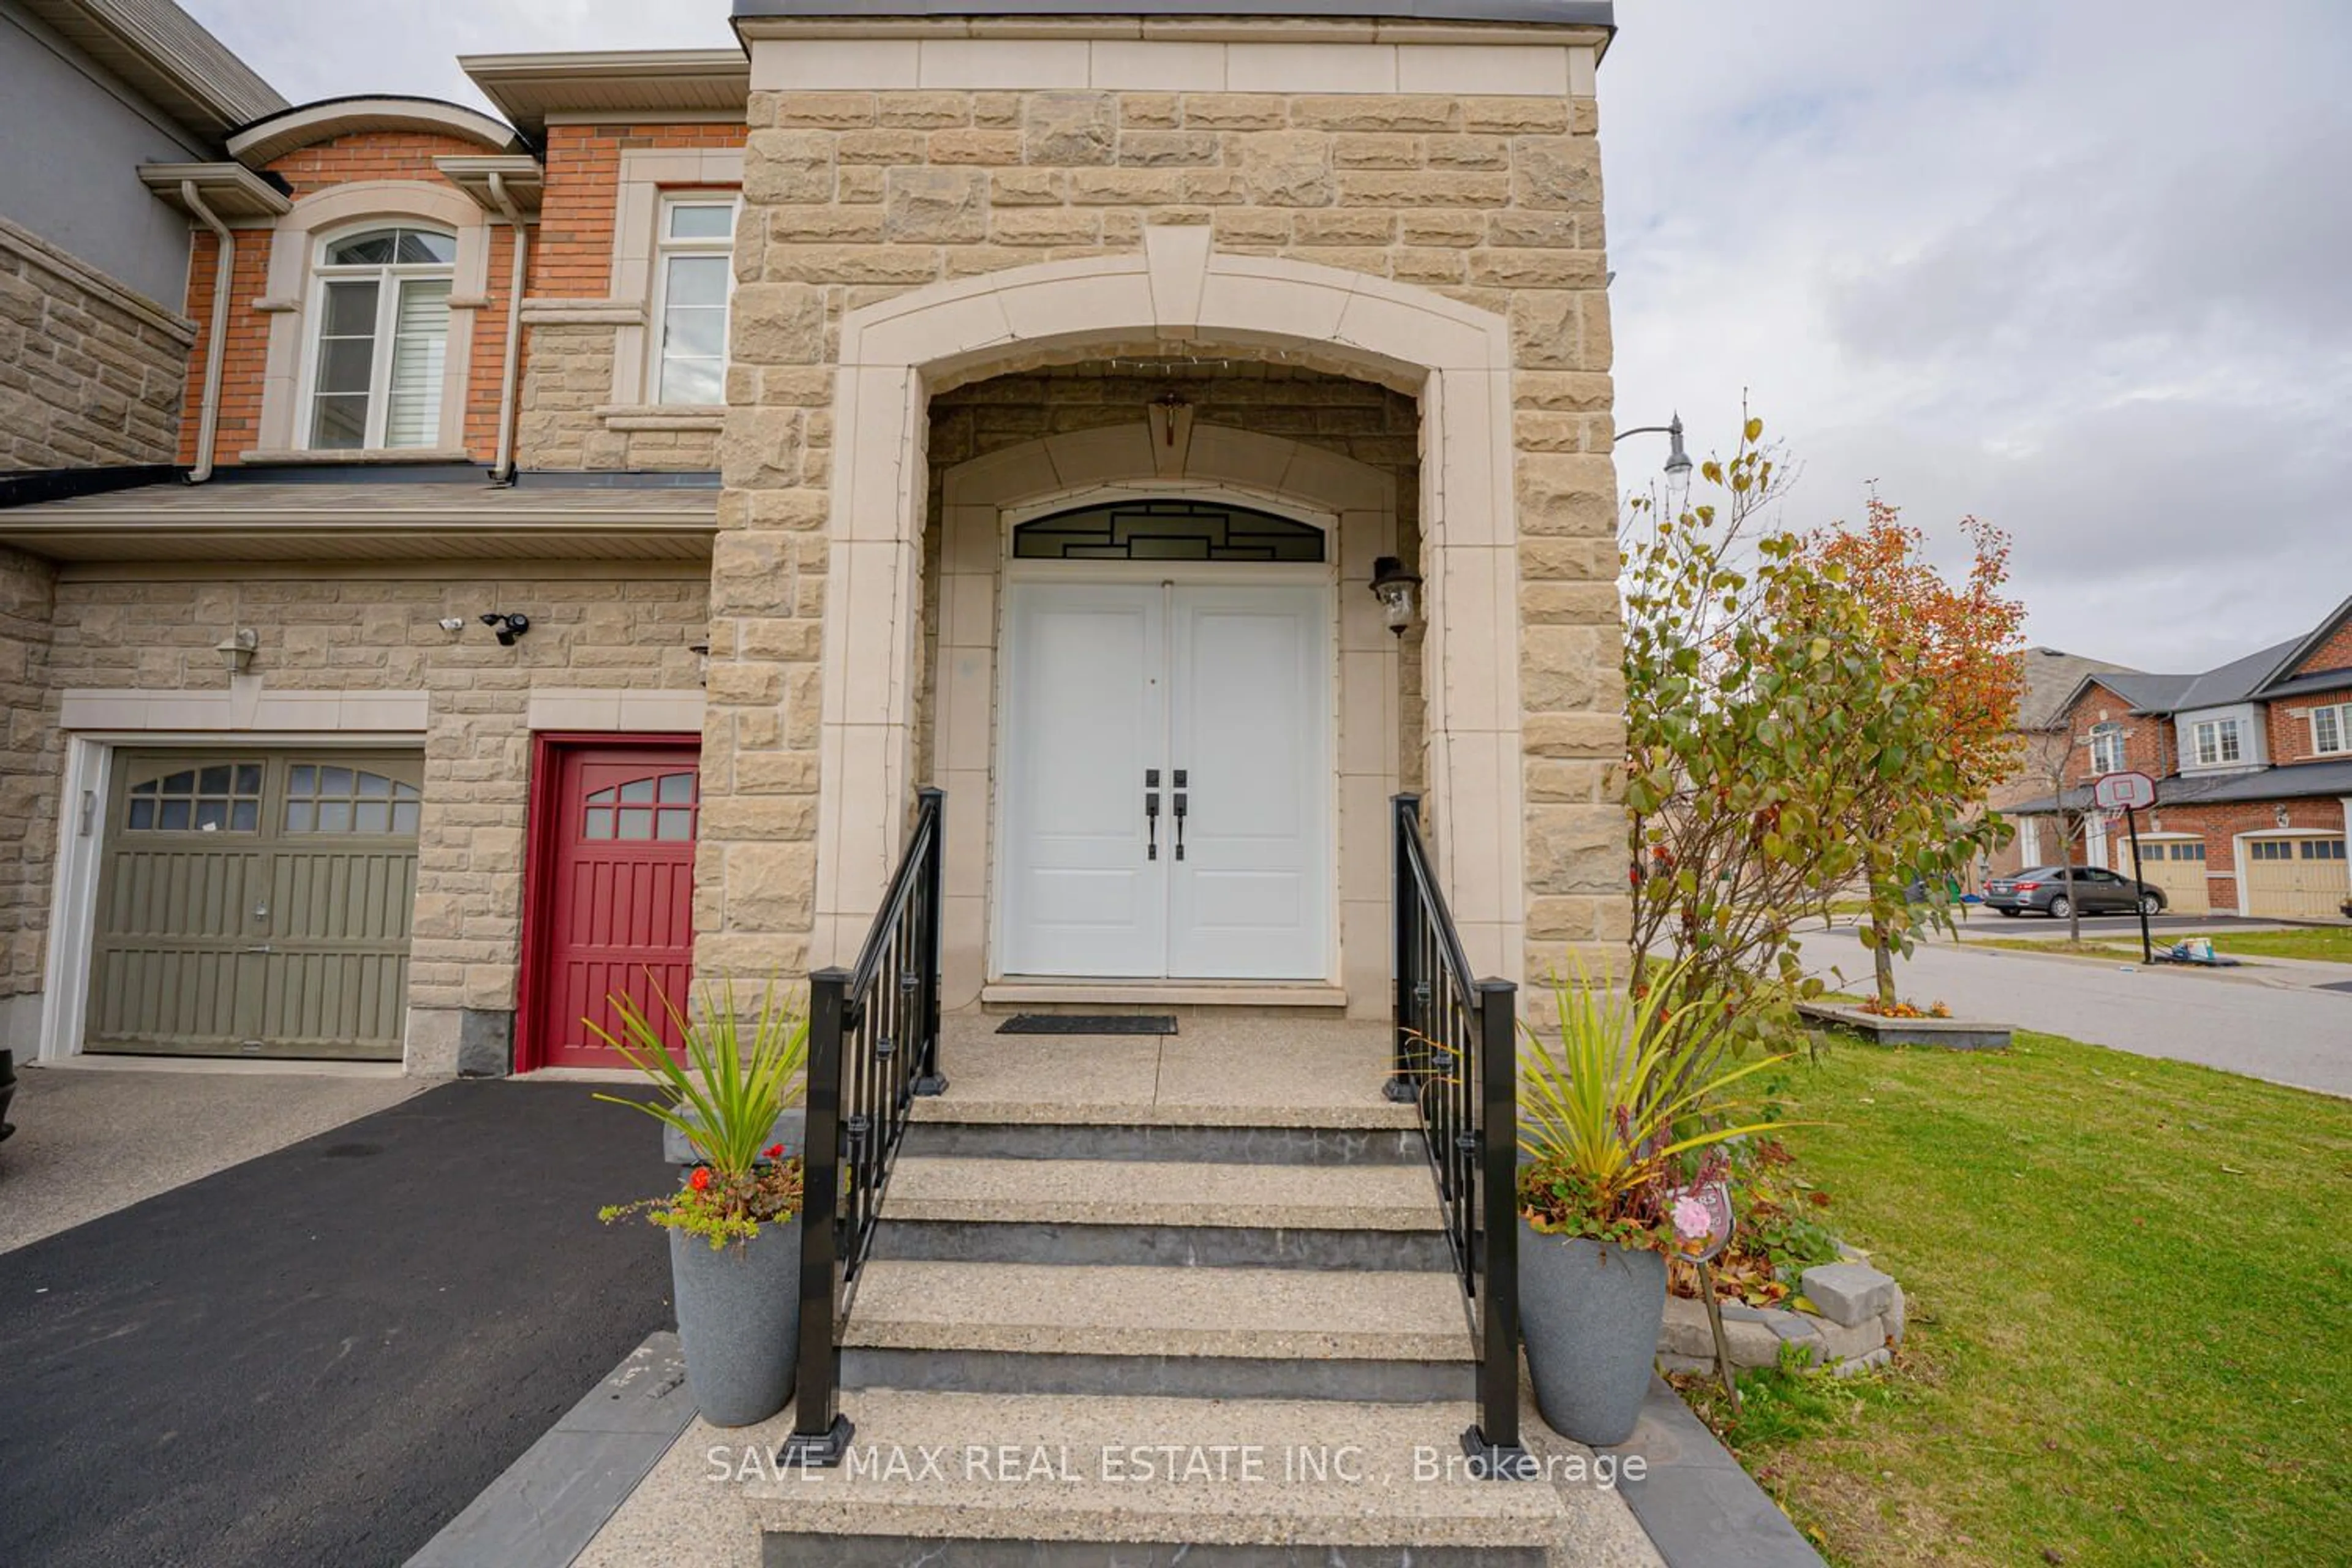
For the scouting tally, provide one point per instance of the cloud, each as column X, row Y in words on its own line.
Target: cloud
column 2077, row 268
column 2053, row 266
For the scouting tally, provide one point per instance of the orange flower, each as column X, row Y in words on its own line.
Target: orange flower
column 700, row 1180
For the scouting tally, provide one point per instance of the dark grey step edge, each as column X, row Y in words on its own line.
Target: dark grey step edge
column 780, row 1549
column 1161, row 1246
column 1697, row 1506
column 1173, row 1377
column 550, row 1502
column 1218, row 1145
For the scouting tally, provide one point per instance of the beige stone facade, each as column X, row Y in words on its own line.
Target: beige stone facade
column 27, row 766
column 135, row 652
column 89, row 373
column 1480, row 212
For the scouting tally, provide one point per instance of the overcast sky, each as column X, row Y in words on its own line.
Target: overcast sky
column 2084, row 269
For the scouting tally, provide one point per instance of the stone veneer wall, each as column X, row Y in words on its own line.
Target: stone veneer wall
column 89, row 371
column 27, row 773
column 852, row 196
column 1358, row 419
column 602, row 627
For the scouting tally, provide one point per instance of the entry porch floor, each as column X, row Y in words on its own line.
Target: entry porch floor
column 1238, row 1070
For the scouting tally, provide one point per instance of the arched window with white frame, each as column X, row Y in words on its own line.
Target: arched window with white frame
column 382, row 342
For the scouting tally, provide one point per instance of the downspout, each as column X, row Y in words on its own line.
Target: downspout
column 502, row 470
column 217, row 343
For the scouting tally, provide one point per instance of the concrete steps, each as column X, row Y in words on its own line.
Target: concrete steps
column 982, row 1481
column 1203, row 1333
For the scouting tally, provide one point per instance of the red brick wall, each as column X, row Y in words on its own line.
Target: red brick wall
column 248, row 344
column 571, row 258
column 574, row 255
column 2334, row 653
column 2148, row 746
column 2290, row 724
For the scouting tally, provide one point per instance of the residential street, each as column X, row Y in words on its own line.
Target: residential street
column 2300, row 1037
column 322, row 1354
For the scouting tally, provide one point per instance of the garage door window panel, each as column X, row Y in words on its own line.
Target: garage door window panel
column 328, row 798
column 221, row 798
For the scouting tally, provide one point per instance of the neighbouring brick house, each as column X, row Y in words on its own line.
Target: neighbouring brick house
column 585, row 528
column 2253, row 769
column 2048, row 679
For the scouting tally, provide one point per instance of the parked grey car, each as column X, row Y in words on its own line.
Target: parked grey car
column 2049, row 890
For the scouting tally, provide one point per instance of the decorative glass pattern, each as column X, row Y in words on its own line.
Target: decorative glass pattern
column 660, row 808
column 1167, row 531
column 221, row 797
column 348, row 800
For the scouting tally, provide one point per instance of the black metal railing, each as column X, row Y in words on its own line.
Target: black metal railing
column 874, row 1045
column 1457, row 1059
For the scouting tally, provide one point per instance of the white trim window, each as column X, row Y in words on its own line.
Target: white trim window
column 2217, row 742
column 693, row 276
column 378, row 356
column 2106, row 748
column 2331, row 729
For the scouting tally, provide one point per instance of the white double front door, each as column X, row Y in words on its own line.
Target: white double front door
column 1167, row 780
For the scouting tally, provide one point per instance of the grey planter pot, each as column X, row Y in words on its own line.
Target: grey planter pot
column 1589, row 1314
column 738, row 1320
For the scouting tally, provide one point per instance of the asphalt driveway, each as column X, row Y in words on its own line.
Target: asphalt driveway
column 321, row 1355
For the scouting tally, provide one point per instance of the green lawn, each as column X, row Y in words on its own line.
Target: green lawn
column 2129, row 1341
column 2333, row 942
column 2330, row 942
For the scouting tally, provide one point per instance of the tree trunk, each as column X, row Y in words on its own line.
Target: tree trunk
column 1882, row 962
column 2073, row 904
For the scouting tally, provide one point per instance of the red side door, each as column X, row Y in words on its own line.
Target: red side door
column 618, row 906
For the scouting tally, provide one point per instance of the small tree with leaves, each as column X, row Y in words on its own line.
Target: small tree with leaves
column 1914, row 820
column 1751, row 684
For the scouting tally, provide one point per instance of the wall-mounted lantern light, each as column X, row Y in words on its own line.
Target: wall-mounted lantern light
column 238, row 649
column 1396, row 589
column 2279, row 813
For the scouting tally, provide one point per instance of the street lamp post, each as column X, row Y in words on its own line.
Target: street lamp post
column 1678, row 463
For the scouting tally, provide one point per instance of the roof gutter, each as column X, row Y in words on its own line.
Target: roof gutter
column 215, row 332
column 503, row 469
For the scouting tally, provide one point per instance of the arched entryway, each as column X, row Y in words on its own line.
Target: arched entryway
column 1454, row 359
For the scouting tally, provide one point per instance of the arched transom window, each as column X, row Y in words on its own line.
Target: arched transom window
column 1167, row 531
column 383, row 315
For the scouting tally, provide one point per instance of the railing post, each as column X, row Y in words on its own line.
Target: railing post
column 929, row 1080
column 821, row 1433
column 1496, row 1439
column 1404, row 917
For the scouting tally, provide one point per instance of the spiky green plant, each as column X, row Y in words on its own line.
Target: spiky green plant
column 725, row 1096
column 1608, row 1109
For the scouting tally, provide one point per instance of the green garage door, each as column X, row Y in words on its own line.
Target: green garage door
column 256, row 903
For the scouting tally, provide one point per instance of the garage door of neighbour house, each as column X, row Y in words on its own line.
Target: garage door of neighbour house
column 2296, row 878
column 617, row 899
column 256, row 903
column 2176, row 866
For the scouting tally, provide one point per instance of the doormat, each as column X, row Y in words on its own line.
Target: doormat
column 1089, row 1024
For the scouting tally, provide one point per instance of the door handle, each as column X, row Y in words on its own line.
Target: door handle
column 1179, row 822
column 1152, row 824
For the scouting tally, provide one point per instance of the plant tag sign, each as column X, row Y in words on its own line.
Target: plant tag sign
column 1715, row 1197
column 2125, row 791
